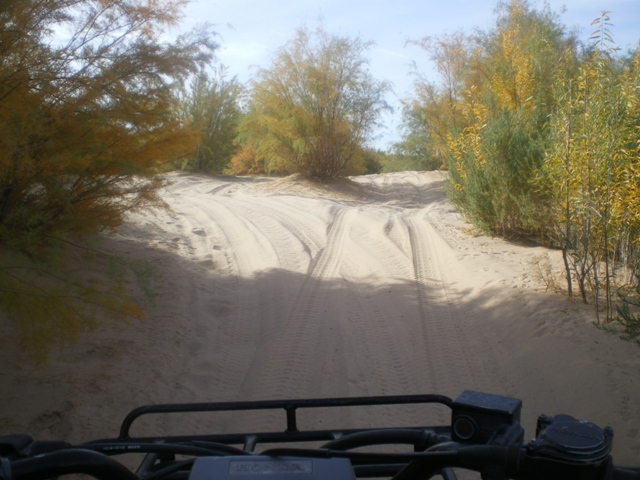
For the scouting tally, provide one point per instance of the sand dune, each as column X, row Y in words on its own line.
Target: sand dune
column 288, row 289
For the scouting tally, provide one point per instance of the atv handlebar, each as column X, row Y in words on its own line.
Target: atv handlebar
column 64, row 462
column 484, row 436
column 491, row 461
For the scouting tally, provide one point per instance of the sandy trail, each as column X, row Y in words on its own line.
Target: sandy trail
column 286, row 289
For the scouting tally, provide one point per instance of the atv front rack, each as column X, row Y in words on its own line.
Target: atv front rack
column 484, row 435
column 290, row 407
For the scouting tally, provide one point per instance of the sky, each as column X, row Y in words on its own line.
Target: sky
column 251, row 31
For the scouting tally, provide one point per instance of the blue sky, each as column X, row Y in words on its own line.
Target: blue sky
column 250, row 31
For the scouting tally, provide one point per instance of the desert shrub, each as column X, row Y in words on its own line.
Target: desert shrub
column 211, row 102
column 86, row 119
column 313, row 110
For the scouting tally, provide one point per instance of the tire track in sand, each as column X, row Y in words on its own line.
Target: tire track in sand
column 282, row 227
column 449, row 331
column 227, row 351
column 377, row 331
column 443, row 347
column 378, row 359
column 286, row 364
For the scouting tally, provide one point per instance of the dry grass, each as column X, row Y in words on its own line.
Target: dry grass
column 548, row 274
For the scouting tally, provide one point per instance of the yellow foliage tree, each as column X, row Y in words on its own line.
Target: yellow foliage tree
column 591, row 174
column 438, row 110
column 513, row 81
column 314, row 109
column 86, row 116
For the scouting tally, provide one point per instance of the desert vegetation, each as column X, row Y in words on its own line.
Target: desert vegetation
column 313, row 110
column 86, row 120
column 540, row 137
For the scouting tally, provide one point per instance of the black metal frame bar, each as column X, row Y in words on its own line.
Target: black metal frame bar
column 291, row 432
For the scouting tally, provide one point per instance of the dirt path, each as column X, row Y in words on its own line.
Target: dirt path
column 285, row 289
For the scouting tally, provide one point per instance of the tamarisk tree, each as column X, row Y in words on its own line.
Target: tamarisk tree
column 313, row 110
column 86, row 116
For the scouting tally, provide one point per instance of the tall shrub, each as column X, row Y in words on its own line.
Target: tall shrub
column 211, row 102
column 590, row 172
column 86, row 117
column 488, row 119
column 313, row 110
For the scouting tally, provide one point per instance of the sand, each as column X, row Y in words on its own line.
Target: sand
column 374, row 285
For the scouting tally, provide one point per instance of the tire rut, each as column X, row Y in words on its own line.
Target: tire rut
column 302, row 335
column 443, row 345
